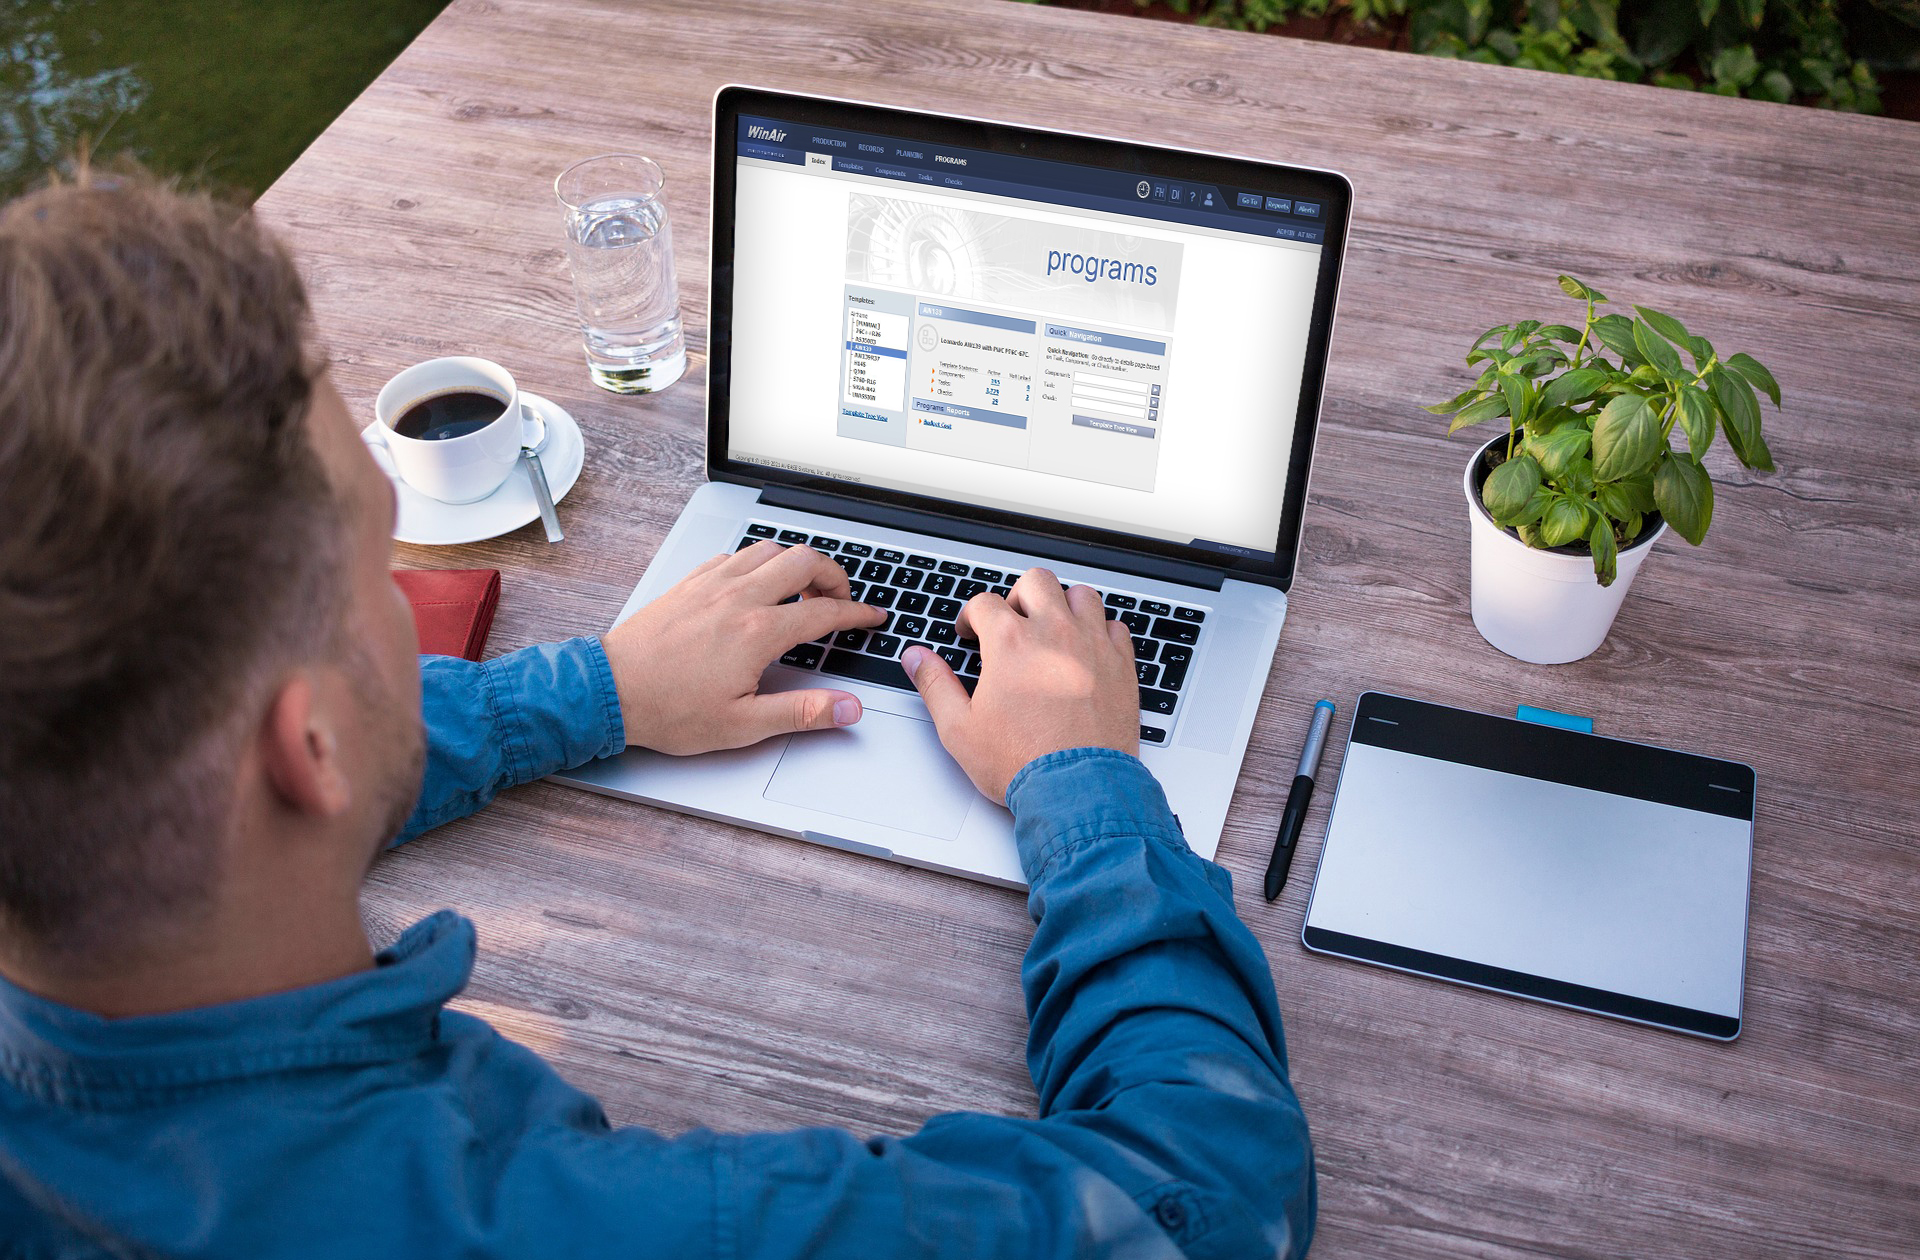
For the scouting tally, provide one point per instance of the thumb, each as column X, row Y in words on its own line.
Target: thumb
column 946, row 699
column 784, row 712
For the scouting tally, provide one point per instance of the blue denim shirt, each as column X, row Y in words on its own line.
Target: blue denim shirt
column 361, row 1118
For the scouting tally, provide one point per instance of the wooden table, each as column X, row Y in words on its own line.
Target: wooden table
column 692, row 973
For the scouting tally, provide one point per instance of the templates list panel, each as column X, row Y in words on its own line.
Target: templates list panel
column 1007, row 341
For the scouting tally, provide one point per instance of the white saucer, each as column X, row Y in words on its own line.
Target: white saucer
column 437, row 524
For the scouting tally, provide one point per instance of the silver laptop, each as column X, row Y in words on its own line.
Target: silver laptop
column 944, row 351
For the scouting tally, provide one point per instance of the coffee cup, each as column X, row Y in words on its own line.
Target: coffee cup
column 452, row 426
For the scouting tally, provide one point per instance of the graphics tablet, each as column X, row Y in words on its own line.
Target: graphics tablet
column 1588, row 872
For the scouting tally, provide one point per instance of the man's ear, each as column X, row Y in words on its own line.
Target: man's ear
column 301, row 753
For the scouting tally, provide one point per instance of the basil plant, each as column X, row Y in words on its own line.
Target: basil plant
column 1589, row 454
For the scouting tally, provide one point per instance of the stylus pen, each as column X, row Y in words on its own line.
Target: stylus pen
column 1297, row 799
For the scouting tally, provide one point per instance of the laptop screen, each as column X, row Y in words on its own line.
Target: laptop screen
column 1120, row 350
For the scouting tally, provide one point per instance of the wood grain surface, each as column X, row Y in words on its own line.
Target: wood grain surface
column 692, row 973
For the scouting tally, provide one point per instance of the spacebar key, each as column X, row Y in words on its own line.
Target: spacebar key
column 873, row 669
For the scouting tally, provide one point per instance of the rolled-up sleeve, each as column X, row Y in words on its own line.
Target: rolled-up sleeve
column 508, row 721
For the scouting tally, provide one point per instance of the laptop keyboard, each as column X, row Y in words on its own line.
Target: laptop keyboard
column 922, row 593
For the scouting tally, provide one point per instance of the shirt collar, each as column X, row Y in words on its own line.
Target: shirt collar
column 386, row 1012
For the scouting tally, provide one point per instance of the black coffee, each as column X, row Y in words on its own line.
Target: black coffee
column 453, row 414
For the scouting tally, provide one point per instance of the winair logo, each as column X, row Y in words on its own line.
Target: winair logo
column 756, row 132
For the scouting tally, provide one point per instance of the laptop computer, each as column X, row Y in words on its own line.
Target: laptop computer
column 945, row 350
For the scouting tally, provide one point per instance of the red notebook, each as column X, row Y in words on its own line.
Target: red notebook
column 453, row 608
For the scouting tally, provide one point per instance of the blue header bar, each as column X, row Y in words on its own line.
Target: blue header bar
column 1087, row 336
column 929, row 311
column 1033, row 179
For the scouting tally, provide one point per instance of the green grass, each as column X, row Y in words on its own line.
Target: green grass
column 230, row 91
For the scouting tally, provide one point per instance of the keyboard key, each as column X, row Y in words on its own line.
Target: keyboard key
column 874, row 571
column 906, row 579
column 885, row 621
column 1143, row 649
column 910, row 627
column 884, row 645
column 911, row 602
column 972, row 645
column 1117, row 600
column 946, row 609
column 989, row 576
column 1154, row 608
column 938, row 584
column 849, row 563
column 954, row 568
column 745, row 543
column 850, row 639
column 806, row 656
column 1157, row 701
column 973, row 664
column 1152, row 735
column 967, row 590
column 793, row 535
column 1189, row 614
column 941, row 632
column 1175, row 631
column 921, row 562
column 1002, row 591
column 873, row 669
column 855, row 549
column 889, row 555
column 855, row 590
column 1138, row 623
column 820, row 542
column 1149, row 673
column 952, row 656
column 1174, row 660
column 879, row 597
column 760, row 531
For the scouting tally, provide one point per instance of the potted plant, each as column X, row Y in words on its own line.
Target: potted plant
column 1567, row 504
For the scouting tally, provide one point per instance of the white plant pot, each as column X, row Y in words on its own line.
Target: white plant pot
column 1546, row 607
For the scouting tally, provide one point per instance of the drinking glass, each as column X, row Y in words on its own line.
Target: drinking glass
column 620, row 246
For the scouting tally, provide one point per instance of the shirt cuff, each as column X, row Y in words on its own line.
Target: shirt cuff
column 1080, row 795
column 555, row 706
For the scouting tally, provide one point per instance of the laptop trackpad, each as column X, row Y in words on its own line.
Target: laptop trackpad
column 883, row 769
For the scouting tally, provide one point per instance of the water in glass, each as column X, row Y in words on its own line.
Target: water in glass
column 620, row 245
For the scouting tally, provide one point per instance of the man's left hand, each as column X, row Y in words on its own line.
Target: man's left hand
column 688, row 665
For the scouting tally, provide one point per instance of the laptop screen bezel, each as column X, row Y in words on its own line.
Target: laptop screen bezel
column 1332, row 190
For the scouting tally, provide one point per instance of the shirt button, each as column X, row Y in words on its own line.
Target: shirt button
column 1172, row 1213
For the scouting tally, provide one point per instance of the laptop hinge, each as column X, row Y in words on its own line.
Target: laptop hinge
column 1159, row 568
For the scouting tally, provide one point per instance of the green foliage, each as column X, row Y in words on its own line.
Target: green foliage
column 1589, row 451
column 1770, row 50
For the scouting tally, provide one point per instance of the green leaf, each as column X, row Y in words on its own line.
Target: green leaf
column 1625, row 500
column 1486, row 409
column 1561, row 332
column 1519, row 396
column 1536, row 508
column 1616, row 333
column 1757, row 376
column 1605, row 555
column 1510, row 487
column 1481, row 340
column 1625, row 438
column 1655, row 350
column 1666, row 325
column 1697, row 418
column 1572, row 387
column 1558, row 449
column 1574, row 289
column 1684, row 495
column 1701, row 349
column 1547, row 419
column 1577, row 479
column 1734, row 67
column 1707, row 9
column 1742, row 411
column 1453, row 404
column 1565, row 521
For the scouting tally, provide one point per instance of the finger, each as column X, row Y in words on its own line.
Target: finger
column 1122, row 638
column 984, row 610
column 707, row 566
column 1085, row 603
column 811, row 618
column 783, row 712
column 747, row 559
column 795, row 570
column 1037, row 593
column 934, row 679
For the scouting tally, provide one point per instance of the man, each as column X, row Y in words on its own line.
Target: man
column 211, row 724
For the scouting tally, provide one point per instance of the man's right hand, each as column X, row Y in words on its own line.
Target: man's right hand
column 1055, row 674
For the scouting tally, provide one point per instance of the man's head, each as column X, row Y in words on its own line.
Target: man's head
column 198, row 636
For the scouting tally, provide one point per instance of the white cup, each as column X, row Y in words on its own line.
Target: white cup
column 459, row 469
